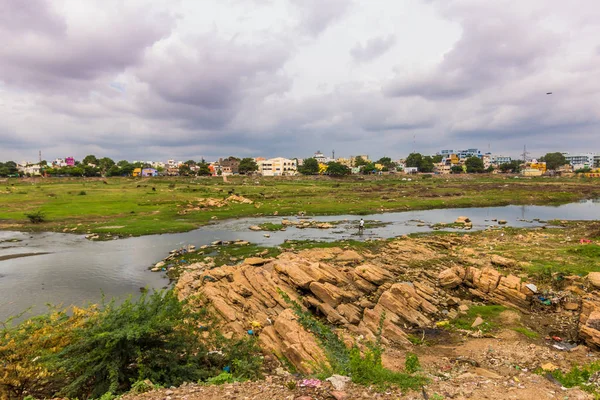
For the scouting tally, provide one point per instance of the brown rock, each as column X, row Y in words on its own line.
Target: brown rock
column 478, row 321
column 571, row 306
column 503, row 261
column 298, row 345
column 330, row 294
column 338, row 395
column 594, row 279
column 486, row 373
column 373, row 274
column 349, row 255
column 255, row 261
column 449, row 278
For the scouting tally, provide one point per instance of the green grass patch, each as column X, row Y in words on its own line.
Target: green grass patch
column 527, row 332
column 365, row 368
column 489, row 314
column 269, row 226
column 220, row 255
column 113, row 202
column 588, row 251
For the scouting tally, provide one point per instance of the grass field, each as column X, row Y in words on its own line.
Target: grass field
column 134, row 206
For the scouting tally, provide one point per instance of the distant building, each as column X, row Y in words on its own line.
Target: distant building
column 499, row 160
column 70, row 161
column 229, row 166
column 461, row 154
column 582, row 160
column 365, row 157
column 149, row 172
column 320, row 157
column 278, row 166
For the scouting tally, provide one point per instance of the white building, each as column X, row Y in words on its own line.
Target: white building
column 277, row 167
column 582, row 160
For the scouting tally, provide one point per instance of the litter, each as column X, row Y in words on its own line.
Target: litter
column 531, row 287
column 314, row 383
column 564, row 346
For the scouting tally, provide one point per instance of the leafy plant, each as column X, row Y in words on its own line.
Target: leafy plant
column 411, row 363
column 579, row 376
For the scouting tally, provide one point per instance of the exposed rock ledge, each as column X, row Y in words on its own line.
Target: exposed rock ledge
column 354, row 290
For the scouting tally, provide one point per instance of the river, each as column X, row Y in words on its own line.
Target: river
column 68, row 269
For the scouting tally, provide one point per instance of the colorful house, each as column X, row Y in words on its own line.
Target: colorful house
column 149, row 172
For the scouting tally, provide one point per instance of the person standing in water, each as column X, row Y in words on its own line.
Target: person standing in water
column 361, row 226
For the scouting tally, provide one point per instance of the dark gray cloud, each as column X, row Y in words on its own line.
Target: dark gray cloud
column 44, row 55
column 373, row 48
column 128, row 81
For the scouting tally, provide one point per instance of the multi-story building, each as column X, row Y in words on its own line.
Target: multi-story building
column 499, row 160
column 583, row 160
column 278, row 166
column 461, row 154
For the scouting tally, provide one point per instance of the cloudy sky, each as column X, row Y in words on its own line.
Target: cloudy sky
column 160, row 79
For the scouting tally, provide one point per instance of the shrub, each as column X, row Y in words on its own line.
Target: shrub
column 102, row 350
column 82, row 193
column 36, row 217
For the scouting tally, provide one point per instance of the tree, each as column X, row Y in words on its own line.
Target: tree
column 474, row 165
column 310, row 166
column 426, row 164
column 113, row 171
column 247, row 165
column 337, row 169
column 554, row 160
column 359, row 161
column 437, row 158
column 123, row 163
column 90, row 159
column 414, row 160
column 190, row 163
column 387, row 163
column 203, row 169
column 369, row 168
column 513, row 166
column 456, row 169
column 490, row 169
column 184, row 170
column 104, row 164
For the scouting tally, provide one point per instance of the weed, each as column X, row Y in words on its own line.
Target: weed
column 221, row 379
column 436, row 396
column 82, row 193
column 291, row 385
column 364, row 367
column 579, row 376
column 411, row 363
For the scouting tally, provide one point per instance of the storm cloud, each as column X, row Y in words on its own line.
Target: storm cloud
column 160, row 80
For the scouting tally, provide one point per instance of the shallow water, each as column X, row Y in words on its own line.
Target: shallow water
column 76, row 271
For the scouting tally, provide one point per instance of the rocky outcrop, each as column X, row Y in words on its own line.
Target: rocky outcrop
column 488, row 284
column 589, row 320
column 334, row 283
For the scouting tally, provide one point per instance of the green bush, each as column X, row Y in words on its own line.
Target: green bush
column 36, row 217
column 109, row 349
